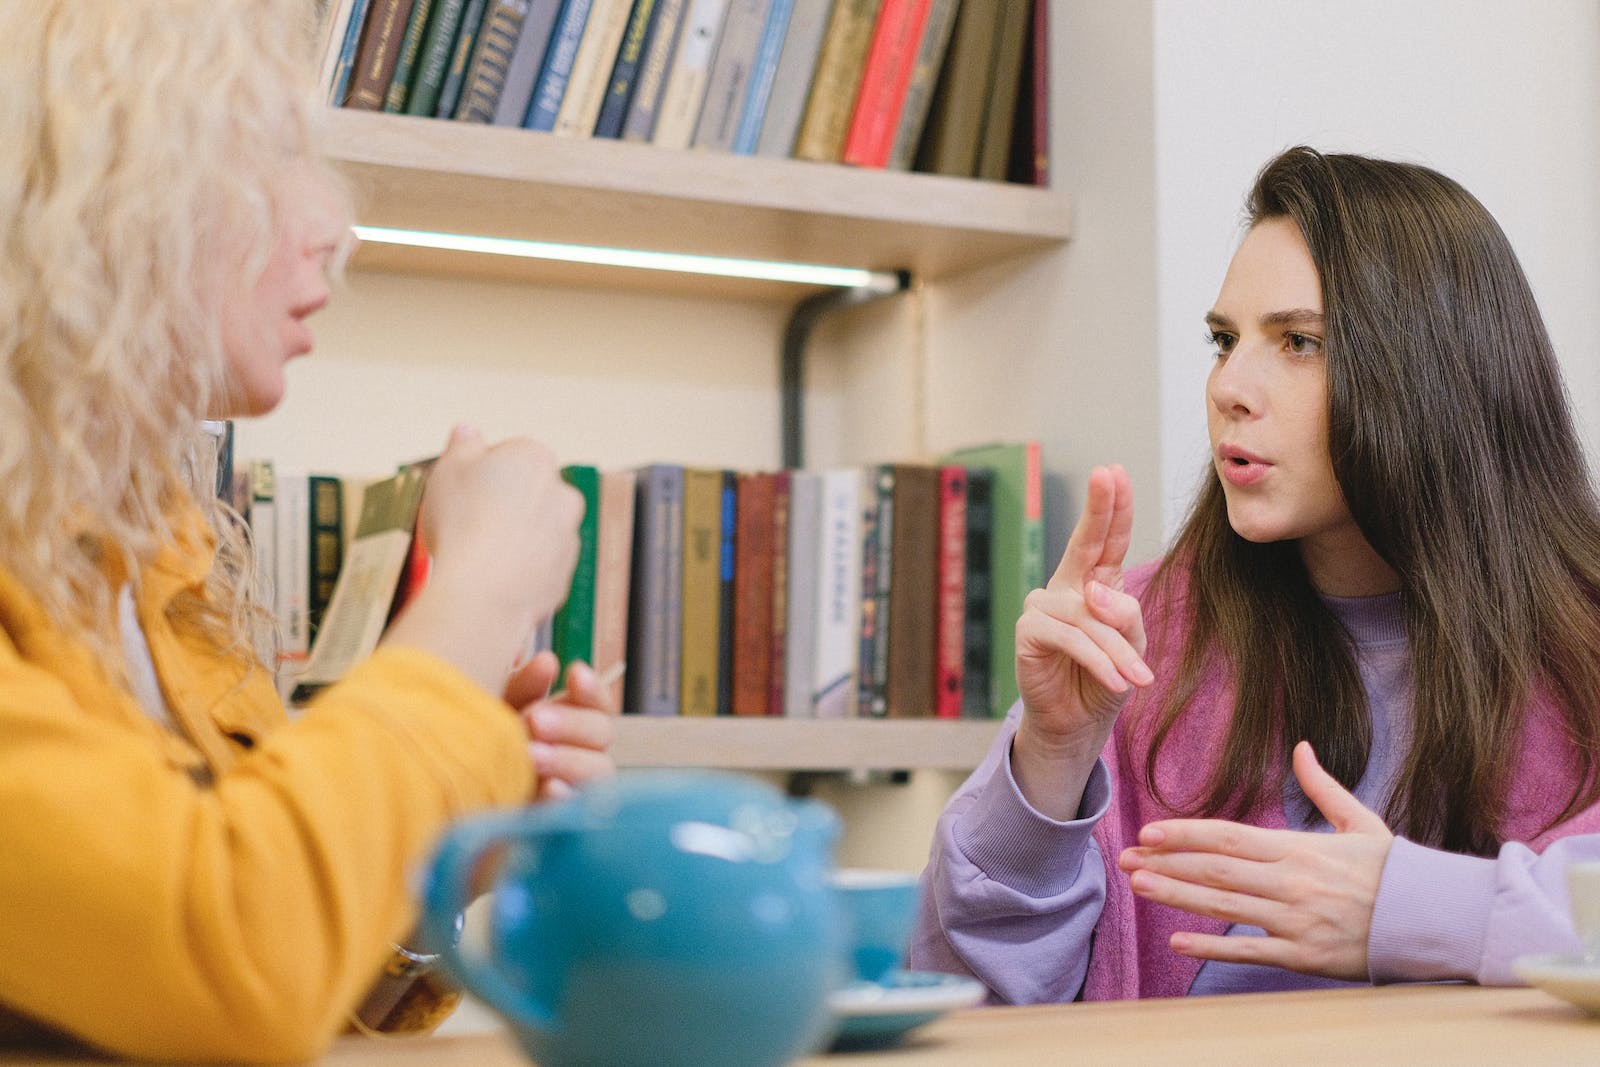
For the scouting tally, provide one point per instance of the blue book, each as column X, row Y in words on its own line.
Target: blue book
column 551, row 87
column 748, row 133
column 347, row 52
column 619, row 90
column 456, row 77
column 730, row 514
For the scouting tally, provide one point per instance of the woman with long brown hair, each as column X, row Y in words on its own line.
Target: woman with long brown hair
column 1348, row 728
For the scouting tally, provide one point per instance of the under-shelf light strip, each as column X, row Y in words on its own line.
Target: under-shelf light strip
column 763, row 270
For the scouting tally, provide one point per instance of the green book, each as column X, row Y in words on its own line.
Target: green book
column 573, row 637
column 1016, row 559
column 434, row 62
column 394, row 101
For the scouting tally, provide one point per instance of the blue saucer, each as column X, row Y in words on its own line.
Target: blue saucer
column 879, row 1014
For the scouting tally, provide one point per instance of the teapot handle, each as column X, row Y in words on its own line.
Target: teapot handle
column 449, row 890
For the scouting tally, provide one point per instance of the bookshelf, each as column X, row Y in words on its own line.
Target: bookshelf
column 756, row 744
column 457, row 177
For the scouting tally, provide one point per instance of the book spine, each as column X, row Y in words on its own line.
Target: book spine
column 574, row 629
column 919, row 91
column 327, row 546
column 726, row 589
column 1000, row 109
column 792, row 82
column 977, row 697
column 526, row 59
column 612, row 572
column 460, row 59
column 553, row 77
column 838, row 616
column 752, row 598
column 913, row 592
column 343, row 34
column 747, row 134
column 950, row 619
column 886, row 523
column 1039, row 98
column 293, row 560
column 702, row 562
column 624, row 75
column 378, row 54
column 838, row 77
column 884, row 80
column 434, row 62
column 950, row 136
column 870, row 634
column 730, row 74
column 394, row 101
column 686, row 81
column 491, row 60
column 804, row 520
column 654, row 608
column 781, row 488
column 591, row 68
column 652, row 77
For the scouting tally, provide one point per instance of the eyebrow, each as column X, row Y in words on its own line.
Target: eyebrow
column 1293, row 317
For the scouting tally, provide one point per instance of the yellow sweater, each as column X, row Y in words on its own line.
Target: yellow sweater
column 230, row 893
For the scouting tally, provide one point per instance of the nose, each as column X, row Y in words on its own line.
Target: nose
column 1232, row 387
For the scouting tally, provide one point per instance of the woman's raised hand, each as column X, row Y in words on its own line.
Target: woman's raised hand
column 1080, row 650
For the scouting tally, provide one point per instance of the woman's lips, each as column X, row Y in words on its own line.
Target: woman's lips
column 1240, row 467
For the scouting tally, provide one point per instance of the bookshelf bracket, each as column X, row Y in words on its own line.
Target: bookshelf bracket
column 796, row 335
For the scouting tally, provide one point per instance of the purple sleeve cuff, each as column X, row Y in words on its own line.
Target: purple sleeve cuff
column 1431, row 915
column 1010, row 841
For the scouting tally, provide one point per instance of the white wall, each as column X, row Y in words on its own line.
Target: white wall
column 1502, row 96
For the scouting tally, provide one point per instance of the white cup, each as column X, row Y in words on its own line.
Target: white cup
column 1583, row 890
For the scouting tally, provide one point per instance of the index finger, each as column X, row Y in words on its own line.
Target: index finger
column 1215, row 835
column 1087, row 545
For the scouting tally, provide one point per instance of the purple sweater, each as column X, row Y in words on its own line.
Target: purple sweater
column 1038, row 910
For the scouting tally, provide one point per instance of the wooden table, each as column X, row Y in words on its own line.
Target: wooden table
column 1411, row 1025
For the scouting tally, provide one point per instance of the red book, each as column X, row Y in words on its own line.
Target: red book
column 951, row 622
column 891, row 58
column 780, row 591
column 752, row 596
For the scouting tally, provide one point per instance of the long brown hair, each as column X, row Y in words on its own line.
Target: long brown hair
column 1453, row 443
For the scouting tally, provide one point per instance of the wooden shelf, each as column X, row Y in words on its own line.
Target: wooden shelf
column 457, row 177
column 803, row 744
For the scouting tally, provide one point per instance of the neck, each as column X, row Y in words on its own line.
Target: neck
column 1344, row 564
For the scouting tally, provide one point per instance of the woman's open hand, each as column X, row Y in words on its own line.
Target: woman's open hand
column 570, row 732
column 1313, row 893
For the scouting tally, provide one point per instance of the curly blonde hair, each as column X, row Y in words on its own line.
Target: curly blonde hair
column 144, row 141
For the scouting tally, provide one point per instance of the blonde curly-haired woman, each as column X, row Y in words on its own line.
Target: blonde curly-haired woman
column 187, row 874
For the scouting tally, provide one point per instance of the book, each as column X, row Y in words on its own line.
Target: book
column 950, row 135
column 781, row 486
column 261, row 481
column 377, row 54
column 343, row 34
column 836, row 81
column 1000, row 107
column 950, row 634
column 752, row 598
column 730, row 74
column 460, row 59
column 763, row 69
column 919, row 91
column 884, row 79
column 574, row 621
column 365, row 590
column 977, row 700
column 491, row 60
column 591, row 68
column 1016, row 552
column 526, row 58
column 913, row 592
column 434, row 62
column 655, row 603
column 791, row 83
column 613, row 572
column 1030, row 145
column 702, row 591
column 327, row 545
column 877, row 571
column 837, row 620
column 292, row 582
column 556, row 71
column 725, row 587
column 652, row 77
column 619, row 89
column 394, row 101
column 805, row 518
column 687, row 77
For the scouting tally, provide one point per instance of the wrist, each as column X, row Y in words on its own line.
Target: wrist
column 1052, row 769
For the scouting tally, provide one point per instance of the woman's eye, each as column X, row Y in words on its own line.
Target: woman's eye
column 1220, row 340
column 1302, row 344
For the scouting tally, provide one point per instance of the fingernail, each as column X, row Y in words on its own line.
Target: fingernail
column 541, row 754
column 556, row 789
column 1152, row 835
column 465, row 431
column 1142, row 673
column 546, row 720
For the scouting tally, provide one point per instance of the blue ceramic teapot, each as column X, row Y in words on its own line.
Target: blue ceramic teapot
column 656, row 918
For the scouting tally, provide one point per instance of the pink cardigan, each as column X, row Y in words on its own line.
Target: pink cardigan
column 1130, row 956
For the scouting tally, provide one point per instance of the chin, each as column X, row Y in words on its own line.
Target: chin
column 1257, row 528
